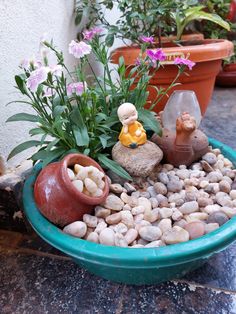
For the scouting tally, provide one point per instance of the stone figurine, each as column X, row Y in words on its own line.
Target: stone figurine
column 132, row 134
column 184, row 146
column 138, row 162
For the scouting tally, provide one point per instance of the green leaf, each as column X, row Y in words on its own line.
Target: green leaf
column 47, row 156
column 23, row 117
column 109, row 40
column 114, row 166
column 79, row 129
column 150, row 120
column 21, row 84
column 103, row 139
column 36, row 131
column 58, row 110
column 52, row 144
column 54, row 154
column 78, row 17
column 21, row 147
column 81, row 135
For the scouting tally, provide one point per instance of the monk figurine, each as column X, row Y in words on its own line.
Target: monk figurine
column 132, row 134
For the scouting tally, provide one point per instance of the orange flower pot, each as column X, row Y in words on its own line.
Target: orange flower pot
column 206, row 53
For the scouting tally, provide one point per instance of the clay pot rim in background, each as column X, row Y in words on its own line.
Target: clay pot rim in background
column 208, row 50
column 83, row 160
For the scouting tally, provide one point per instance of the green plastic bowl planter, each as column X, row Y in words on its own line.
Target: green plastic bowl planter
column 132, row 266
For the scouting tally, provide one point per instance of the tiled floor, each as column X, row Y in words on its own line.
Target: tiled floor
column 36, row 278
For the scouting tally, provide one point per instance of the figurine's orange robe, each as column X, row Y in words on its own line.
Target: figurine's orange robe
column 130, row 138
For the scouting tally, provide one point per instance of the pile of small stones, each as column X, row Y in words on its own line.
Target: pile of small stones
column 173, row 205
column 88, row 180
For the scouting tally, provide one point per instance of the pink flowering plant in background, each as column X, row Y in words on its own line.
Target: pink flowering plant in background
column 77, row 112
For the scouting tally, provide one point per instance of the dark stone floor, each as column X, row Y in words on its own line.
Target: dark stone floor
column 36, row 278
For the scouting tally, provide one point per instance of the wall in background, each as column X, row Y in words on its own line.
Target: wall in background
column 22, row 23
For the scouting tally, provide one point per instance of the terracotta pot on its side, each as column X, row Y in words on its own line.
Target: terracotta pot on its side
column 57, row 198
column 207, row 54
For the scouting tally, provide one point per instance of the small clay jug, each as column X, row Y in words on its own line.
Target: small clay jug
column 57, row 198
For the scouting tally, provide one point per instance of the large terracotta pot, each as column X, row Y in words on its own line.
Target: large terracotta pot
column 56, row 197
column 227, row 75
column 207, row 54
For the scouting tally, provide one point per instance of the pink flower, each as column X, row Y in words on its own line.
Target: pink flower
column 89, row 34
column 182, row 61
column 79, row 49
column 37, row 77
column 56, row 70
column 49, row 92
column 27, row 63
column 138, row 62
column 146, row 39
column 78, row 88
column 156, row 55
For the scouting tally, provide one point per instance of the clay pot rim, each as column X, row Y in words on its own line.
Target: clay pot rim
column 209, row 50
column 70, row 187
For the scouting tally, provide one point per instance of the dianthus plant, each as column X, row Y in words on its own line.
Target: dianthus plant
column 77, row 112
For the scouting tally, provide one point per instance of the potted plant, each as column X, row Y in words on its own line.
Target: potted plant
column 149, row 21
column 75, row 116
column 227, row 10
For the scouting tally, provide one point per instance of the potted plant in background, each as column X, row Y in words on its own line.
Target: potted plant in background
column 227, row 10
column 155, row 19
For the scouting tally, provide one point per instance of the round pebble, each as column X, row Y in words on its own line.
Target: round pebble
column 77, row 229
column 150, row 233
column 218, row 217
column 160, row 188
column 175, row 235
column 107, row 237
column 195, row 229
column 210, row 158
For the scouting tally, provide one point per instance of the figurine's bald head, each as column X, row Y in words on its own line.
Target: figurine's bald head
column 127, row 113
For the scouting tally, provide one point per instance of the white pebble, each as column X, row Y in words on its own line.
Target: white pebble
column 77, row 229
column 138, row 210
column 113, row 219
column 121, row 228
column 93, row 237
column 120, row 240
column 127, row 218
column 233, row 194
column 100, row 226
column 229, row 211
column 189, row 207
column 102, row 212
column 70, row 174
column 211, row 227
column 114, row 202
column 165, row 224
column 90, row 185
column 91, row 221
column 78, row 184
column 165, row 212
column 210, row 158
column 131, row 235
column 150, row 233
column 107, row 237
column 175, row 235
column 157, row 243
